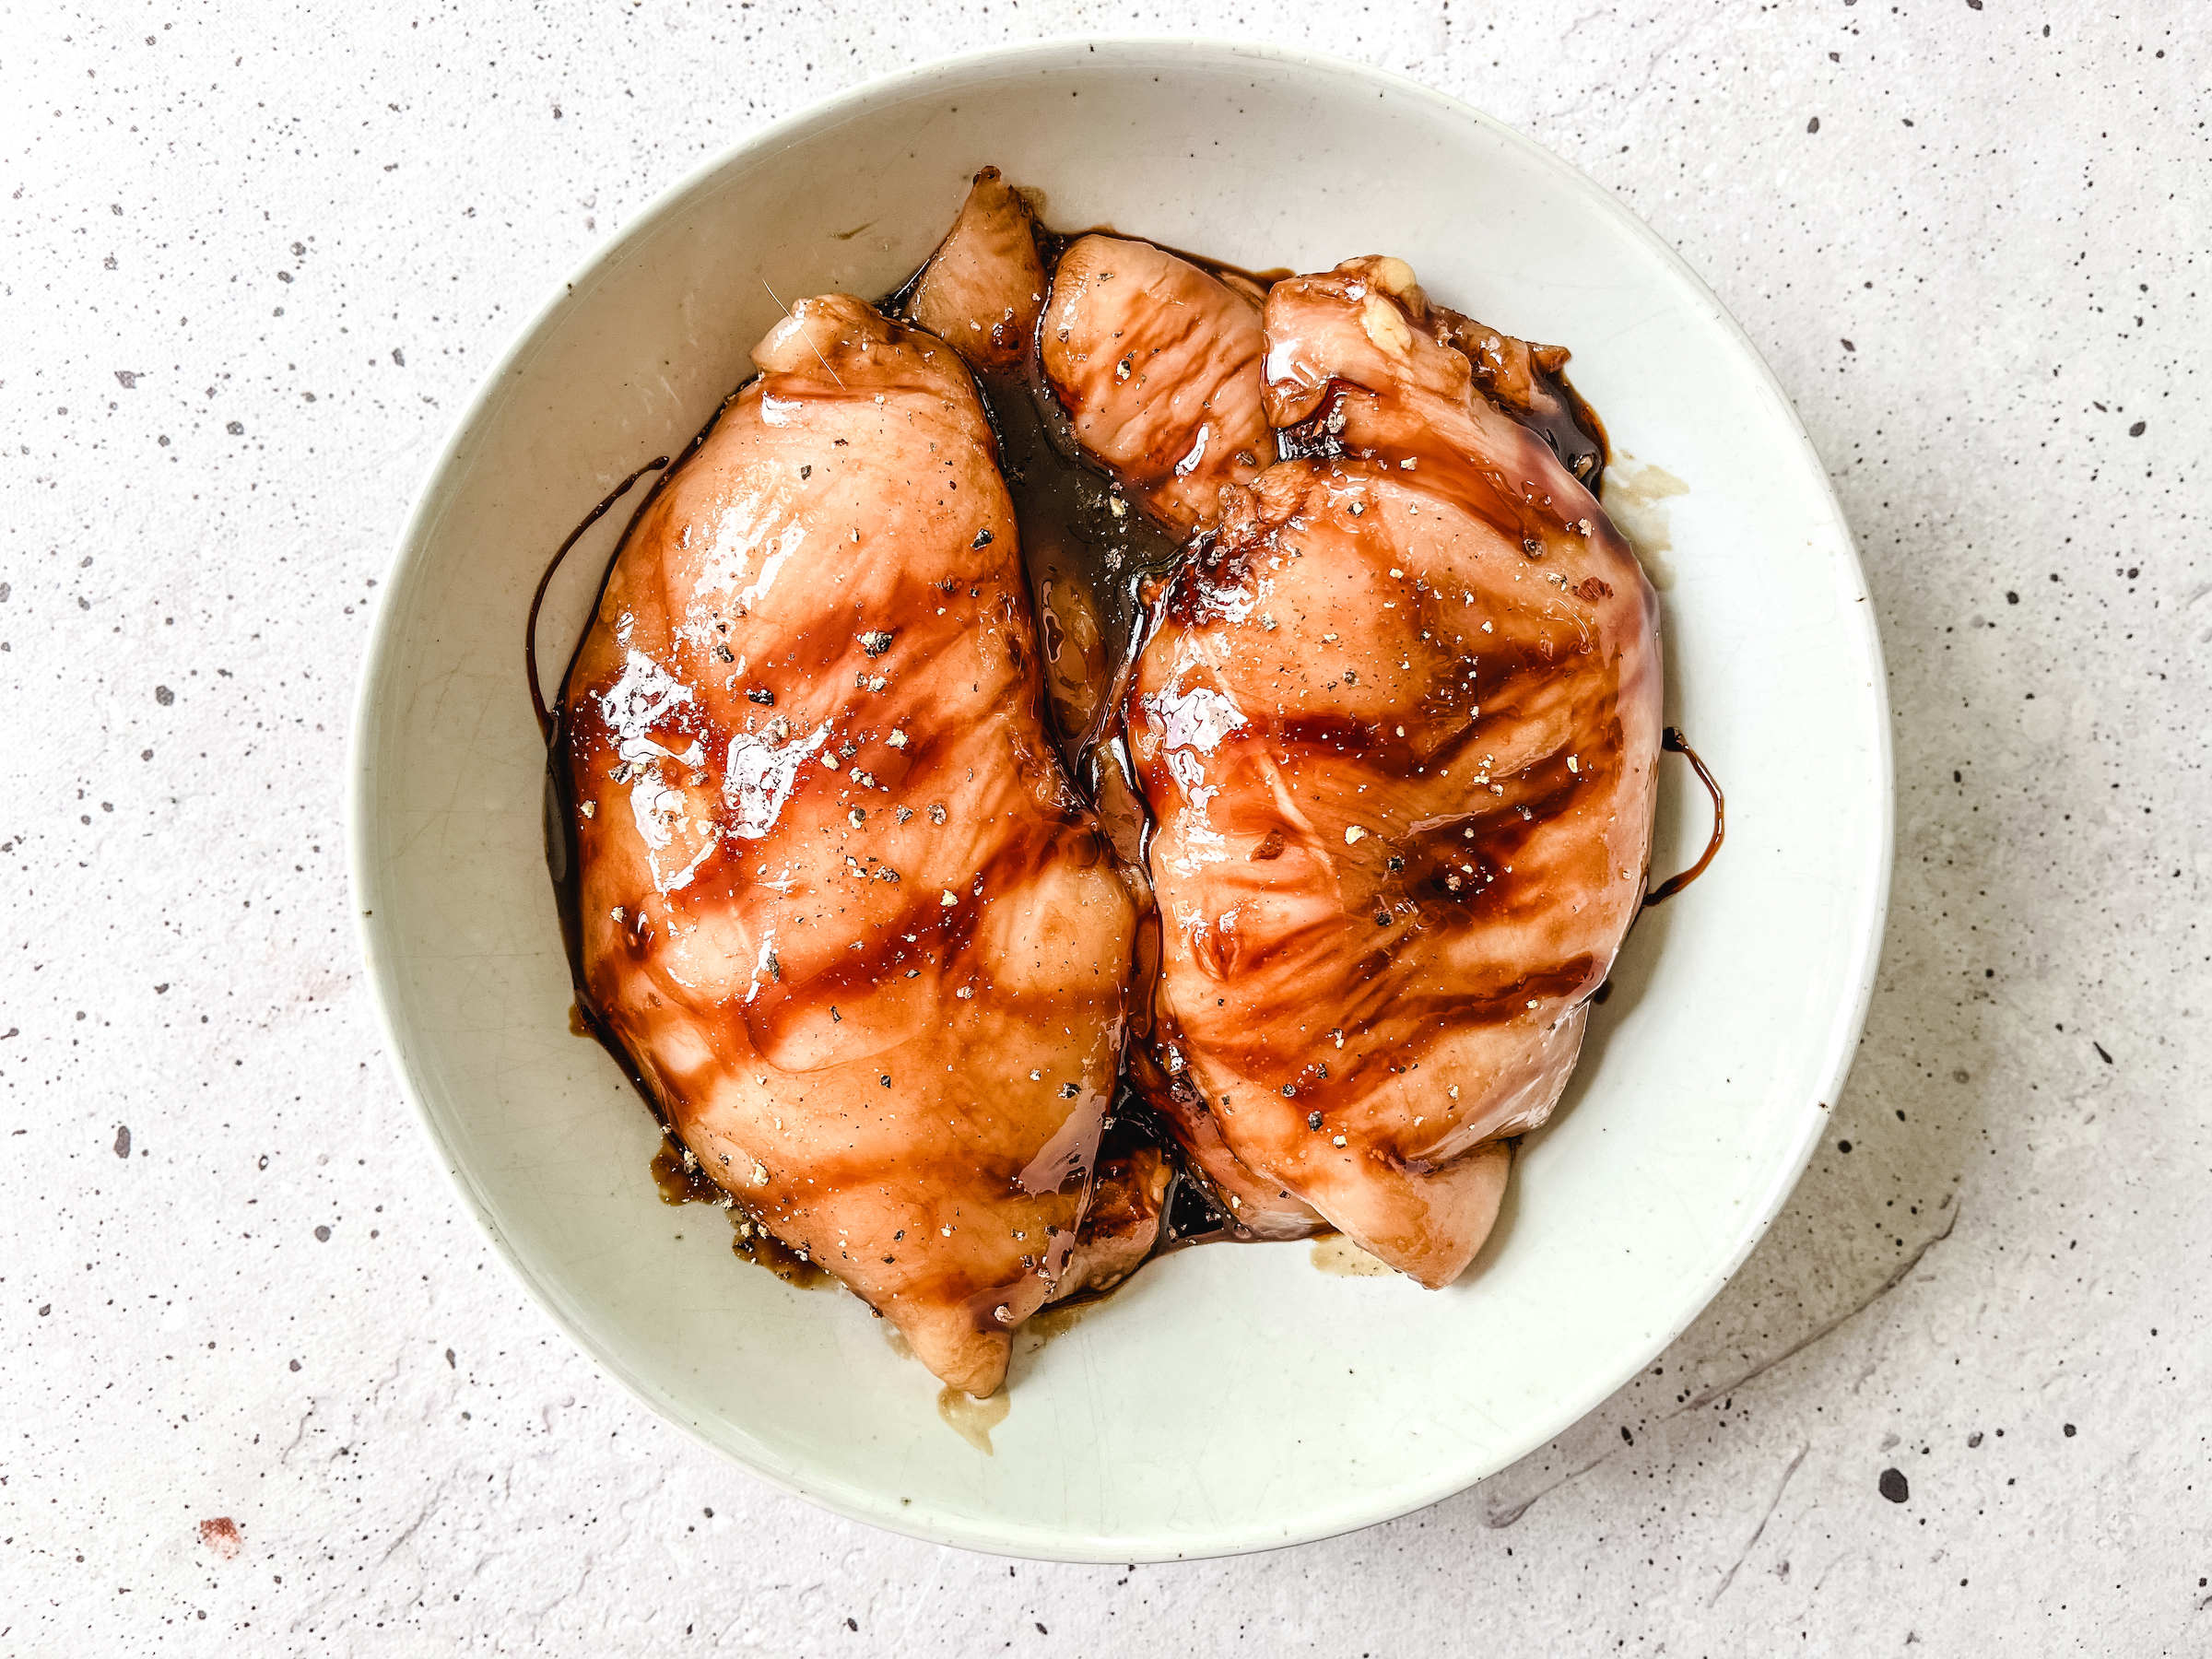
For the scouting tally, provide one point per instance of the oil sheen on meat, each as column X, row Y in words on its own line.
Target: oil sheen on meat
column 1157, row 363
column 861, row 941
column 1398, row 727
column 1367, row 814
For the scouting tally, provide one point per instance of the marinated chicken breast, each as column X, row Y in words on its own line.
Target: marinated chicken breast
column 1398, row 726
column 866, row 947
column 984, row 287
column 1156, row 364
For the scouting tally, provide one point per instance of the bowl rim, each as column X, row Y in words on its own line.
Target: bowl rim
column 381, row 655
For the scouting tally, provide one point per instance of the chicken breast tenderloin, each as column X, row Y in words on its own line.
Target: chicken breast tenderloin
column 1157, row 363
column 866, row 947
column 984, row 287
column 1399, row 726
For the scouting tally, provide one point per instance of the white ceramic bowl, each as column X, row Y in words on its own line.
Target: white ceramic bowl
column 1229, row 1399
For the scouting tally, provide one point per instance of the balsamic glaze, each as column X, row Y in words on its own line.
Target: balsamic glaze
column 1072, row 539
column 537, row 599
column 681, row 1180
column 1188, row 1215
column 1529, row 383
column 1575, row 433
column 561, row 861
column 1093, row 572
column 1672, row 742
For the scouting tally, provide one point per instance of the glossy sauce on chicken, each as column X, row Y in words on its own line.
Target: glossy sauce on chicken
column 1309, row 686
column 1348, row 931
column 835, row 899
column 1399, row 728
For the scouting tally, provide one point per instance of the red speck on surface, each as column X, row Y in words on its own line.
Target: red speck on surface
column 220, row 1535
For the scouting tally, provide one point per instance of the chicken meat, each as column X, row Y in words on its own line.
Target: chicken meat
column 1398, row 726
column 982, row 288
column 866, row 947
column 1157, row 364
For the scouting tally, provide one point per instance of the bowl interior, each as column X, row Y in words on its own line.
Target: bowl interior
column 1229, row 1399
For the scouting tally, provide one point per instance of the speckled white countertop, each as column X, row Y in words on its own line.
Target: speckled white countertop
column 268, row 1393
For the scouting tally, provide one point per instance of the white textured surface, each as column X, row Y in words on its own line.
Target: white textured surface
column 2032, row 247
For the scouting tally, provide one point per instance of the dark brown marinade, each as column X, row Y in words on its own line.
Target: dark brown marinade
column 1672, row 742
column 1552, row 409
column 1063, row 507
column 537, row 599
column 1575, row 433
column 1070, row 532
column 1188, row 1216
column 680, row 1176
column 681, row 1180
column 561, row 862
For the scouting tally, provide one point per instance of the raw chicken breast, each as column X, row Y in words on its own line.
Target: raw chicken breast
column 1156, row 364
column 984, row 287
column 862, row 943
column 1399, row 726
